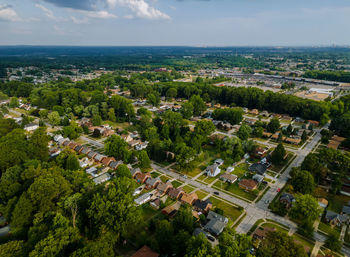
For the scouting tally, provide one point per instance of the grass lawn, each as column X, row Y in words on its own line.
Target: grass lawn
column 336, row 202
column 325, row 228
column 274, row 225
column 206, row 179
column 229, row 211
column 201, row 194
column 234, row 189
column 147, row 211
column 188, row 188
column 164, row 178
column 301, row 240
column 278, row 168
column 155, row 174
column 176, row 183
column 240, row 170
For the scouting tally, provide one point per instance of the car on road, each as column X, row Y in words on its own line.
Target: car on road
column 211, row 238
column 184, row 176
column 278, row 190
column 216, row 193
column 267, row 201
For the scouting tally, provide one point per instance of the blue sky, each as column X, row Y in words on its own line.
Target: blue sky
column 175, row 22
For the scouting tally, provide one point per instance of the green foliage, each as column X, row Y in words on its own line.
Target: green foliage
column 123, row 171
column 144, row 161
column 187, row 110
column 54, row 118
column 14, row 102
column 72, row 162
column 231, row 115
column 12, row 249
column 107, row 211
column 278, row 154
column 198, row 105
column 333, row 242
column 273, row 125
column 302, row 181
column 280, row 244
column 305, row 208
column 115, row 146
column 244, row 132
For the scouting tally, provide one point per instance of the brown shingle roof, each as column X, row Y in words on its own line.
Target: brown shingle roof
column 145, row 251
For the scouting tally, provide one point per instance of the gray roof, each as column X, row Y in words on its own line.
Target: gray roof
column 216, row 223
column 134, row 171
column 91, row 154
column 104, row 177
column 258, row 168
column 152, row 181
column 85, row 150
column 198, row 231
column 287, row 197
column 200, row 204
column 78, row 148
column 346, row 210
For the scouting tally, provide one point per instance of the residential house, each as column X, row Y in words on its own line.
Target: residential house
column 78, row 148
column 54, row 151
column 261, row 233
column 99, row 157
column 287, row 199
column 213, row 170
column 83, row 163
column 230, row 169
column 163, row 188
column 145, row 251
column 171, row 209
column 175, row 193
column 135, row 172
column 336, row 219
column 346, row 210
column 141, row 146
column 260, row 152
column 92, row 154
column 230, row 178
column 314, row 123
column 267, row 134
column 258, row 168
column 85, row 150
column 152, row 182
column 143, row 198
column 265, row 114
column 216, row 223
column 107, row 160
column 127, row 137
column 258, row 178
column 250, row 121
column 248, row 184
column 114, row 164
column 202, row 205
column 92, row 171
column 189, row 198
column 219, row 162
column 156, row 203
column 254, row 111
column 294, row 141
column 198, row 231
column 72, row 145
column 142, row 177
column 322, row 202
column 102, row 178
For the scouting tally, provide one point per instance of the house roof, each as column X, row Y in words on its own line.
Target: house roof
column 189, row 198
column 114, row 164
column 198, row 231
column 145, row 251
column 85, row 150
column 216, row 223
column 258, row 178
column 78, row 148
column 346, row 210
column 287, row 197
column 164, row 186
column 175, row 192
column 228, row 176
column 200, row 204
column 106, row 161
column 152, row 181
column 134, row 171
column 258, row 168
column 248, row 183
column 91, row 154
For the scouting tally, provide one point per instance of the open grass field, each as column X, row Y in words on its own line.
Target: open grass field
column 229, row 211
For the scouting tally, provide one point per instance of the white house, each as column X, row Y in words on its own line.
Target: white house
column 230, row 169
column 143, row 198
column 213, row 170
column 219, row 162
column 103, row 178
column 31, row 127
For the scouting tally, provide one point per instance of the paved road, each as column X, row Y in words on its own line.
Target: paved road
column 93, row 142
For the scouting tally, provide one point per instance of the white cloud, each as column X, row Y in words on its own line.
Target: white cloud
column 47, row 11
column 8, row 14
column 79, row 21
column 140, row 9
column 98, row 14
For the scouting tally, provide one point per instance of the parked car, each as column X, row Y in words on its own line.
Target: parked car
column 211, row 238
column 216, row 193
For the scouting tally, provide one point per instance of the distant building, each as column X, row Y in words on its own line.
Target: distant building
column 213, row 170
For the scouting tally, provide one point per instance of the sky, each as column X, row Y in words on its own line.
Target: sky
column 175, row 22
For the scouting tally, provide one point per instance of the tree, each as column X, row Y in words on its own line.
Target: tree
column 305, row 208
column 333, row 242
column 204, row 128
column 244, row 132
column 278, row 154
column 114, row 208
column 111, row 115
column 273, row 125
column 200, row 247
column 96, row 120
column 72, row 162
column 14, row 102
column 187, row 110
column 117, row 147
column 123, row 171
column 258, row 131
column 164, row 233
column 103, row 247
column 183, row 220
column 280, row 244
column 302, row 181
column 234, row 244
column 171, row 93
column 185, row 156
column 54, row 118
column 38, row 145
column 304, row 136
column 198, row 105
column 144, row 161
column 153, row 99
column 12, row 249
column 71, row 203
